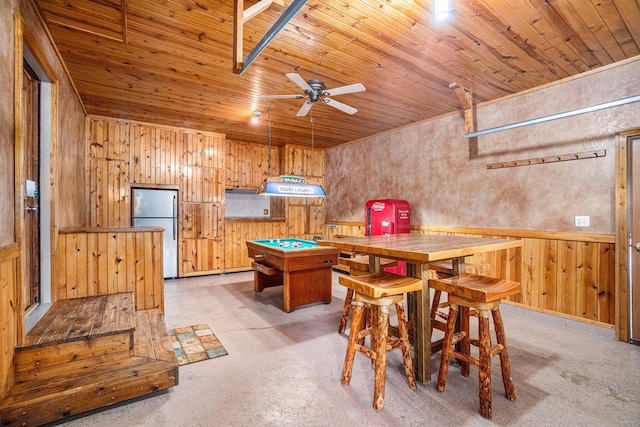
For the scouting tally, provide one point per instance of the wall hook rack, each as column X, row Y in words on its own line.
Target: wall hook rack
column 550, row 159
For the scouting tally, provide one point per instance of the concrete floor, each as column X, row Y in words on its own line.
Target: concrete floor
column 283, row 369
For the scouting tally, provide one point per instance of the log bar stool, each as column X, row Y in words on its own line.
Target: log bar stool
column 441, row 269
column 483, row 295
column 375, row 293
column 358, row 266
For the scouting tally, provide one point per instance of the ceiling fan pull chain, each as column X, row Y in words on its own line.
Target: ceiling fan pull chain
column 312, row 135
column 269, row 140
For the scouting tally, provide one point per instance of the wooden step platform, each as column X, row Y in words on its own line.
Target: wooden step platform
column 64, row 373
column 79, row 329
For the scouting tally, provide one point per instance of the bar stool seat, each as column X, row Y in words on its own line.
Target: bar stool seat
column 442, row 269
column 358, row 266
column 482, row 295
column 375, row 293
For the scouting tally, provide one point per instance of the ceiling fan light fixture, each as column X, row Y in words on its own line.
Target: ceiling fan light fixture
column 257, row 117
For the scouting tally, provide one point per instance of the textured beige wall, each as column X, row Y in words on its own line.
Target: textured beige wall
column 444, row 176
column 7, row 233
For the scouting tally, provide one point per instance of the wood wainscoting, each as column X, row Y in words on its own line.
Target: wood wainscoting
column 238, row 231
column 566, row 274
column 10, row 316
column 95, row 261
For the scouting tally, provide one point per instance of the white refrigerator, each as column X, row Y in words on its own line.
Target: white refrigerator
column 159, row 208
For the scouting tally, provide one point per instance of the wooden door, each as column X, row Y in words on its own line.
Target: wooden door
column 31, row 119
column 634, row 238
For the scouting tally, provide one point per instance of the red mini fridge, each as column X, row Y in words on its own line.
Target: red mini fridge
column 388, row 216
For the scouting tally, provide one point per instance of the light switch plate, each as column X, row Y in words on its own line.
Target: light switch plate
column 582, row 221
column 31, row 188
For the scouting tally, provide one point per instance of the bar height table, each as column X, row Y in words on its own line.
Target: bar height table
column 420, row 249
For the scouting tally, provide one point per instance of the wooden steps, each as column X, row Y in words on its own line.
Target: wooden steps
column 102, row 353
column 82, row 318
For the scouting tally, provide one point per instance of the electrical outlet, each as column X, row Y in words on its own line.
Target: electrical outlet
column 582, row 221
column 265, row 211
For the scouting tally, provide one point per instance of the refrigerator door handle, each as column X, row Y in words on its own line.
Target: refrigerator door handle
column 175, row 206
column 175, row 228
column 175, row 218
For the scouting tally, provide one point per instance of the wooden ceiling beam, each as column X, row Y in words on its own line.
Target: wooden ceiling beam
column 465, row 96
column 258, row 8
column 238, row 34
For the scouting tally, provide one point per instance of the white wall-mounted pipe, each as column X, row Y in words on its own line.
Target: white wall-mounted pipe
column 571, row 113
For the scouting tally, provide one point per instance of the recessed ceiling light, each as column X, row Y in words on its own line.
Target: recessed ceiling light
column 443, row 8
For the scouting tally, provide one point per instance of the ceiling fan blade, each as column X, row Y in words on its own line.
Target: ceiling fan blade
column 304, row 109
column 340, row 106
column 282, row 96
column 357, row 87
column 299, row 81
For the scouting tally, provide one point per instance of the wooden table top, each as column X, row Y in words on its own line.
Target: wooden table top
column 421, row 247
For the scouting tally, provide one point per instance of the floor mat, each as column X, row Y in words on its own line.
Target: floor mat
column 195, row 343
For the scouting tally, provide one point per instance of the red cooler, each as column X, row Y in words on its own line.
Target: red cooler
column 388, row 216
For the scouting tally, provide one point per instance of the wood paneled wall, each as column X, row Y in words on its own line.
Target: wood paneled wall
column 305, row 215
column 302, row 217
column 106, row 261
column 567, row 274
column 124, row 154
column 9, row 256
column 248, row 164
column 341, row 229
column 237, row 232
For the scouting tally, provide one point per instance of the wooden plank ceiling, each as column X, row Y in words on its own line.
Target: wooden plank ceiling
column 170, row 61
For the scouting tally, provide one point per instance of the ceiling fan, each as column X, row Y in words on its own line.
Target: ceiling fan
column 315, row 90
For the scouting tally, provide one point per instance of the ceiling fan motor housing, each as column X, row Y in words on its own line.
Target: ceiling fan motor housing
column 317, row 87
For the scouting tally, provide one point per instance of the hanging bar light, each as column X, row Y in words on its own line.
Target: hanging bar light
column 289, row 185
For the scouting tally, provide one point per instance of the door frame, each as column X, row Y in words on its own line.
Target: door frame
column 623, row 290
column 32, row 171
column 27, row 48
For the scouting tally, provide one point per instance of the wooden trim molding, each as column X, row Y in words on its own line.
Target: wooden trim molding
column 535, row 234
column 505, row 232
column 623, row 332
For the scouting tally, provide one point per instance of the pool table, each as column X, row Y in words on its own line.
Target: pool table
column 302, row 267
